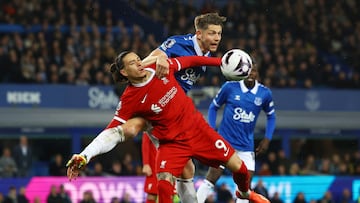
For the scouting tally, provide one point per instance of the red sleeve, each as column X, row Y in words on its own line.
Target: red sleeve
column 113, row 123
column 192, row 61
column 145, row 146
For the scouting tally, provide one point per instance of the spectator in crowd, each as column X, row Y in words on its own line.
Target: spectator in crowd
column 126, row 198
column 88, row 197
column 21, row 196
column 8, row 168
column 223, row 194
column 53, row 196
column 276, row 198
column 346, row 196
column 116, row 168
column 63, row 195
column 115, row 200
column 128, row 165
column 300, row 198
column 327, row 198
column 2, row 199
column 98, row 170
column 261, row 189
column 57, row 166
column 11, row 196
column 23, row 157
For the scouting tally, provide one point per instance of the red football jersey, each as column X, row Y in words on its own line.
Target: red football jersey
column 162, row 101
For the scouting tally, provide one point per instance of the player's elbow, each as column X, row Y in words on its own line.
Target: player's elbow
column 133, row 126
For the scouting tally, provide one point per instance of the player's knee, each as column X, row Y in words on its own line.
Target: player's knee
column 166, row 176
column 214, row 174
column 189, row 170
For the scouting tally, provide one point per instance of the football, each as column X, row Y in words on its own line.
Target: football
column 236, row 64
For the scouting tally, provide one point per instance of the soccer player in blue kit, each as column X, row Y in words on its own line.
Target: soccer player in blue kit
column 243, row 102
column 208, row 31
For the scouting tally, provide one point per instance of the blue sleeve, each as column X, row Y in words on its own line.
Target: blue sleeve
column 270, row 126
column 212, row 113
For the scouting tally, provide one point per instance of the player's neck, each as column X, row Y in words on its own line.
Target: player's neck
column 141, row 79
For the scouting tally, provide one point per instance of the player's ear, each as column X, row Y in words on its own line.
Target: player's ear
column 198, row 34
column 123, row 72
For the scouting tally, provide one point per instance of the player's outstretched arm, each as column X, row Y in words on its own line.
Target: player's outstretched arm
column 103, row 143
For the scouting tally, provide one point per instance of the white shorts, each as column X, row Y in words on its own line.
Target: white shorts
column 248, row 158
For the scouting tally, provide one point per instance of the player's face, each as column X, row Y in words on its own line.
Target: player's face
column 209, row 38
column 253, row 74
column 133, row 68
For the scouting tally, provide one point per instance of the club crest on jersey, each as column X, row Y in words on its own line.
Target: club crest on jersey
column 258, row 101
column 162, row 164
column 165, row 80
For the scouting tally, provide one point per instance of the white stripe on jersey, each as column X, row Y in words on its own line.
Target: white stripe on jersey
column 119, row 119
column 179, row 65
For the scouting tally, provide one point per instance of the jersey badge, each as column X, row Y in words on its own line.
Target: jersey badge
column 162, row 164
column 237, row 97
column 165, row 80
column 258, row 101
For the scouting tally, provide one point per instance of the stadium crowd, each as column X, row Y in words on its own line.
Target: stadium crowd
column 296, row 44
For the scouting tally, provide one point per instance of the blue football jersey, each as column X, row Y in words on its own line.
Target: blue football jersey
column 184, row 45
column 241, row 111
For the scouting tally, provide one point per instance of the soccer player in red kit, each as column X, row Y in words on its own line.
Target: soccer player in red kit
column 177, row 124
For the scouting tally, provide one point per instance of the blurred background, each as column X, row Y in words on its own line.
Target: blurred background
column 56, row 92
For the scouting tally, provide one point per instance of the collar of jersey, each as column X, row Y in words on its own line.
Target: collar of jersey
column 244, row 89
column 197, row 47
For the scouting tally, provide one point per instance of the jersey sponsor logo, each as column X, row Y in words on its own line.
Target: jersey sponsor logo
column 168, row 96
column 143, row 100
column 242, row 116
column 155, row 108
column 190, row 76
column 162, row 164
column 258, row 101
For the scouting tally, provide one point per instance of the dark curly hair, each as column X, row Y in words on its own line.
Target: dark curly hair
column 117, row 66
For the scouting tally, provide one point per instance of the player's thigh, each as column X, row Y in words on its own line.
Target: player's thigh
column 210, row 148
column 172, row 157
column 248, row 158
column 189, row 170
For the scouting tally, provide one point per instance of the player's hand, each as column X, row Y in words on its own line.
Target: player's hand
column 75, row 165
column 263, row 146
column 162, row 67
column 147, row 170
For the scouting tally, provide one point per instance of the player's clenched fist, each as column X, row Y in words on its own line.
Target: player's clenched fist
column 75, row 165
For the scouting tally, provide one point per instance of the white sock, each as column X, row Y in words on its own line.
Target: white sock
column 242, row 200
column 186, row 190
column 205, row 189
